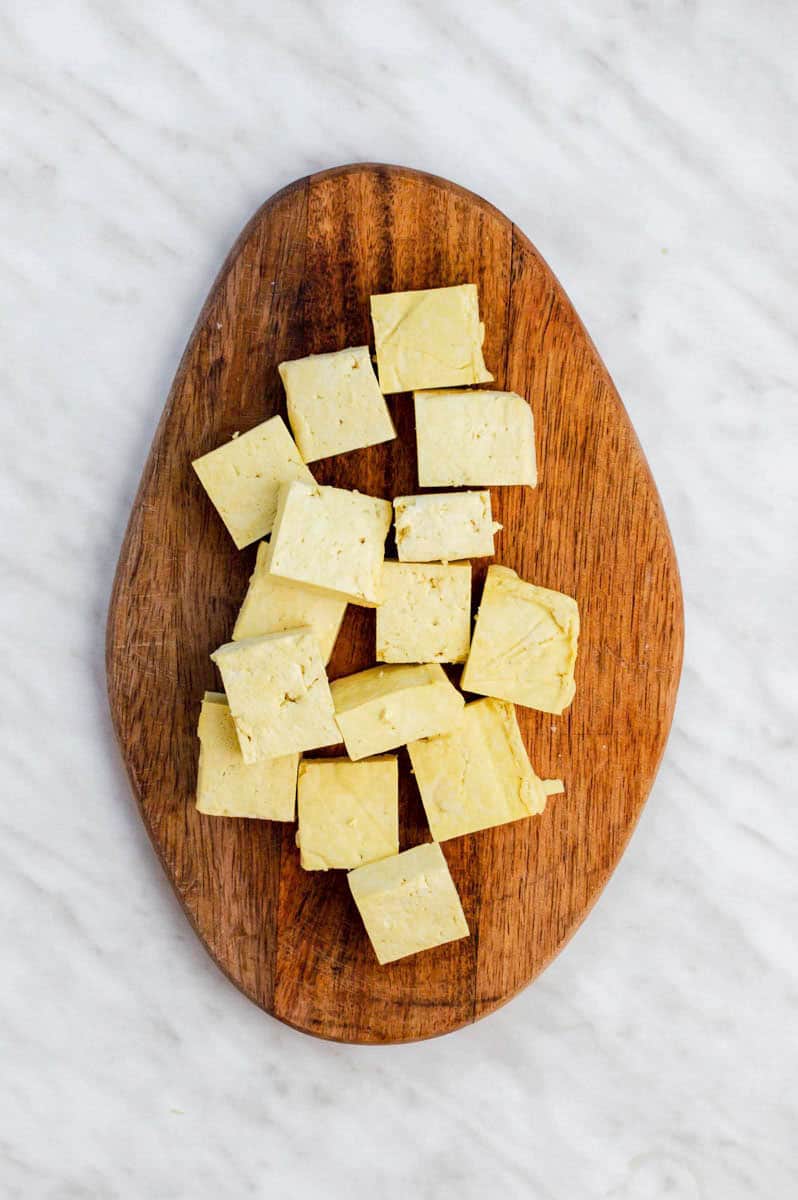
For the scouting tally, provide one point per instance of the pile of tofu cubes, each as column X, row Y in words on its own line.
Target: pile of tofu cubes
column 326, row 549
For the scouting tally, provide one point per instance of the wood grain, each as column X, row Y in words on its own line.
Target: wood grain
column 296, row 282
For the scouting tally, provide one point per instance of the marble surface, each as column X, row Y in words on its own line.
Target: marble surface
column 649, row 150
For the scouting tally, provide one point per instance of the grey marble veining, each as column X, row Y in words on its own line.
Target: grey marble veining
column 649, row 151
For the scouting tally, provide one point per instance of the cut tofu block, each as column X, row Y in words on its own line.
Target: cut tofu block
column 474, row 438
column 273, row 606
column 348, row 811
column 425, row 615
column 478, row 775
column 229, row 787
column 429, row 339
column 444, row 526
column 524, row 644
column 334, row 403
column 278, row 694
column 331, row 540
column 243, row 477
column 408, row 903
column 385, row 707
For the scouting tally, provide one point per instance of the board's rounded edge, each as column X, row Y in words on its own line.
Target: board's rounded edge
column 222, row 274
column 523, row 240
column 111, row 639
column 397, row 170
column 677, row 596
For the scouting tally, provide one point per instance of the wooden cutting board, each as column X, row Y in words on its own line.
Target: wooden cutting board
column 298, row 281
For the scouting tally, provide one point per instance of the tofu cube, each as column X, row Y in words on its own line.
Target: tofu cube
column 425, row 615
column 331, row 540
column 229, row 787
column 334, row 403
column 429, row 339
column 474, row 438
column 478, row 775
column 273, row 606
column 408, row 903
column 385, row 707
column 278, row 694
column 243, row 477
column 444, row 526
column 348, row 811
column 524, row 644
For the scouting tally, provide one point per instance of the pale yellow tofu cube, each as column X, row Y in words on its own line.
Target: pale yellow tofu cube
column 331, row 540
column 278, row 694
column 334, row 403
column 425, row 615
column 229, row 787
column 408, row 903
column 429, row 339
column 348, row 811
column 474, row 438
column 385, row 707
column 243, row 477
column 444, row 526
column 272, row 605
column 478, row 775
column 524, row 644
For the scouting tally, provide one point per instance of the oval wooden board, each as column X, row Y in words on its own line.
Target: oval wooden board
column 298, row 282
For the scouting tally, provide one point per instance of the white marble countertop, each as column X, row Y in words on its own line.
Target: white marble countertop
column 649, row 151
